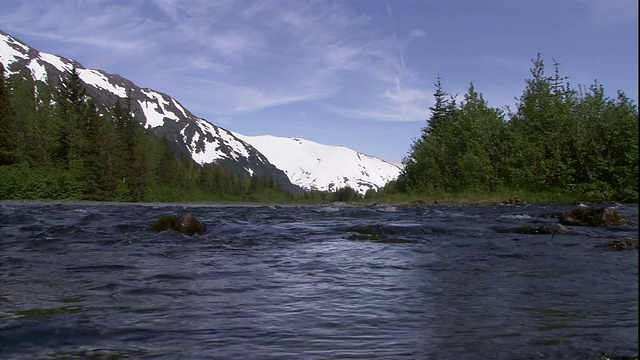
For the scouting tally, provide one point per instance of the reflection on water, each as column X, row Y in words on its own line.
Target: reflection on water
column 90, row 281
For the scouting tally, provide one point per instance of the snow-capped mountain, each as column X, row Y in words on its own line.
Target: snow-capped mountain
column 292, row 163
column 314, row 166
column 161, row 114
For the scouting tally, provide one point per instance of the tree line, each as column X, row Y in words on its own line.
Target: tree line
column 576, row 141
column 56, row 144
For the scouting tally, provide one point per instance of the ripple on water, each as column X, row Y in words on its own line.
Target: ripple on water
column 287, row 282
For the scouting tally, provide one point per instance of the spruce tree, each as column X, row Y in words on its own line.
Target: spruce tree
column 441, row 111
column 32, row 103
column 8, row 124
column 71, row 117
column 96, row 172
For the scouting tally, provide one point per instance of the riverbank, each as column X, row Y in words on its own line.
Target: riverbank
column 504, row 197
column 398, row 202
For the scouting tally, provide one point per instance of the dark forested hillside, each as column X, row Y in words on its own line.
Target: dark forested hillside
column 55, row 143
column 158, row 113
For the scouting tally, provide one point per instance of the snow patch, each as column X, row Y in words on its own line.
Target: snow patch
column 38, row 71
column 155, row 109
column 177, row 104
column 162, row 103
column 8, row 52
column 100, row 81
column 153, row 116
column 56, row 61
column 210, row 152
column 238, row 149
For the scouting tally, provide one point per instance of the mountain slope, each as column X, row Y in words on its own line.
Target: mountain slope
column 314, row 166
column 289, row 162
column 190, row 135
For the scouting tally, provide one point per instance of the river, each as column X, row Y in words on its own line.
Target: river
column 89, row 280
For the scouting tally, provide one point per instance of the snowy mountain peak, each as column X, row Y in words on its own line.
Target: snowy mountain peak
column 314, row 166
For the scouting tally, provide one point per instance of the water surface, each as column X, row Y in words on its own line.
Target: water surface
column 272, row 282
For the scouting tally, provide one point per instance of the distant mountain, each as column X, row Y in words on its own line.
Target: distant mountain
column 292, row 163
column 159, row 113
column 314, row 166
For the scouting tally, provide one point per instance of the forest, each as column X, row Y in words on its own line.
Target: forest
column 55, row 144
column 575, row 142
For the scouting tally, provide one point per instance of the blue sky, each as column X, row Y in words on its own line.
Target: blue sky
column 357, row 73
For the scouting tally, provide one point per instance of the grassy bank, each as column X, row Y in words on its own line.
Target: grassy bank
column 482, row 198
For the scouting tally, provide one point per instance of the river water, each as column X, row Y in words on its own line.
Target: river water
column 278, row 282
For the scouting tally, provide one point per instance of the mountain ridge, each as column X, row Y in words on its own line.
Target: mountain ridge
column 198, row 138
column 158, row 112
column 307, row 164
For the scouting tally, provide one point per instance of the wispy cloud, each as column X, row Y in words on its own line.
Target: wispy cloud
column 117, row 28
column 227, row 100
column 252, row 55
column 402, row 103
column 605, row 12
column 203, row 62
column 515, row 62
column 235, row 43
column 418, row 33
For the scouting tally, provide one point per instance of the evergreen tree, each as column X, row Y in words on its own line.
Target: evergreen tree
column 345, row 194
column 478, row 143
column 441, row 111
column 32, row 104
column 8, row 124
column 167, row 168
column 126, row 162
column 96, row 173
column 431, row 165
column 72, row 112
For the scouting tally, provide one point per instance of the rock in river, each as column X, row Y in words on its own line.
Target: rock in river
column 621, row 244
column 548, row 229
column 187, row 224
column 587, row 216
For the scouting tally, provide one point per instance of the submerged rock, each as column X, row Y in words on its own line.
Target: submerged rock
column 606, row 356
column 543, row 229
column 549, row 229
column 381, row 239
column 377, row 233
column 586, row 216
column 620, row 244
column 187, row 224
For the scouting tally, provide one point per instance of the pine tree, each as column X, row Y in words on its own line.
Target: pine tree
column 96, row 173
column 430, row 165
column 84, row 140
column 32, row 104
column 71, row 117
column 8, row 124
column 167, row 168
column 441, row 111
